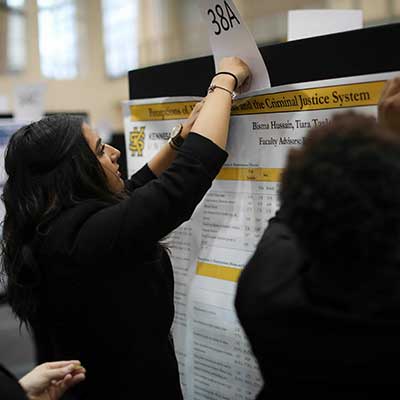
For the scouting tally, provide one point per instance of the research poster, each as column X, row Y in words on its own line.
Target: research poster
column 210, row 250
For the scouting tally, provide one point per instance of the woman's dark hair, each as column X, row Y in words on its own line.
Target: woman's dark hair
column 341, row 192
column 50, row 168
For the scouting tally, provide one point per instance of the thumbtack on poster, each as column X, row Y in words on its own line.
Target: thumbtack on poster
column 229, row 36
column 29, row 101
column 308, row 23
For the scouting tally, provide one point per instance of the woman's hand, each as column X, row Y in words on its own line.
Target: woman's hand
column 187, row 125
column 49, row 381
column 389, row 106
column 237, row 67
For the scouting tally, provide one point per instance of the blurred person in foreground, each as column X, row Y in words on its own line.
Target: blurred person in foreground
column 320, row 298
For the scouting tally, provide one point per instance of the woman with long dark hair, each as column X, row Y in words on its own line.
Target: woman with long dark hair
column 81, row 248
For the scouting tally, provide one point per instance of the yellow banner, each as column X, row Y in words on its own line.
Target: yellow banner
column 218, row 271
column 160, row 112
column 319, row 98
column 250, row 174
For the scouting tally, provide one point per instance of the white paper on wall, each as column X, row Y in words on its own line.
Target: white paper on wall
column 308, row 23
column 4, row 104
column 229, row 36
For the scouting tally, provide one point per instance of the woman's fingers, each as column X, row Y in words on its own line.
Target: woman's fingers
column 198, row 106
column 194, row 114
column 62, row 370
column 236, row 66
column 60, row 364
column 245, row 85
column 391, row 87
column 389, row 105
column 76, row 379
column 67, row 382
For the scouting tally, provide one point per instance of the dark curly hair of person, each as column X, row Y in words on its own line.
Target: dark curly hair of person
column 341, row 195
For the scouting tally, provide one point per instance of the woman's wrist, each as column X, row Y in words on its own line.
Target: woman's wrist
column 226, row 81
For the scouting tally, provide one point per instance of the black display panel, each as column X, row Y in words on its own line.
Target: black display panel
column 351, row 53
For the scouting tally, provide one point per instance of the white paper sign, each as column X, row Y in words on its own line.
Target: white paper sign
column 4, row 104
column 29, row 101
column 229, row 36
column 308, row 23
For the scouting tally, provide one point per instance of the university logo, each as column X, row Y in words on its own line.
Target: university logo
column 136, row 141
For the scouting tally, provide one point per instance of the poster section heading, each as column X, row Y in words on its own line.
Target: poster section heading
column 317, row 98
column 287, row 102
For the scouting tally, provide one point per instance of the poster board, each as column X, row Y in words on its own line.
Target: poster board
column 359, row 52
column 209, row 251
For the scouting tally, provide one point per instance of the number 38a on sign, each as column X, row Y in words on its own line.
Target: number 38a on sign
column 223, row 17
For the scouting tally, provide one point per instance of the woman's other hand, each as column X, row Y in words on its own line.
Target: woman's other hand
column 237, row 67
column 187, row 125
column 389, row 106
column 213, row 120
column 49, row 381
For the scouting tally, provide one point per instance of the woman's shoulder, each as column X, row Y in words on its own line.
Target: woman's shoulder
column 71, row 218
column 80, row 211
column 60, row 232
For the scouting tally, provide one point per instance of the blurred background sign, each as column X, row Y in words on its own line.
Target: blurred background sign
column 308, row 23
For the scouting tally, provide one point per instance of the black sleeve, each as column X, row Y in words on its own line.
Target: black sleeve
column 140, row 178
column 10, row 389
column 276, row 261
column 156, row 208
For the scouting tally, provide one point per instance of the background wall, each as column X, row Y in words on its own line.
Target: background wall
column 167, row 30
column 92, row 91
